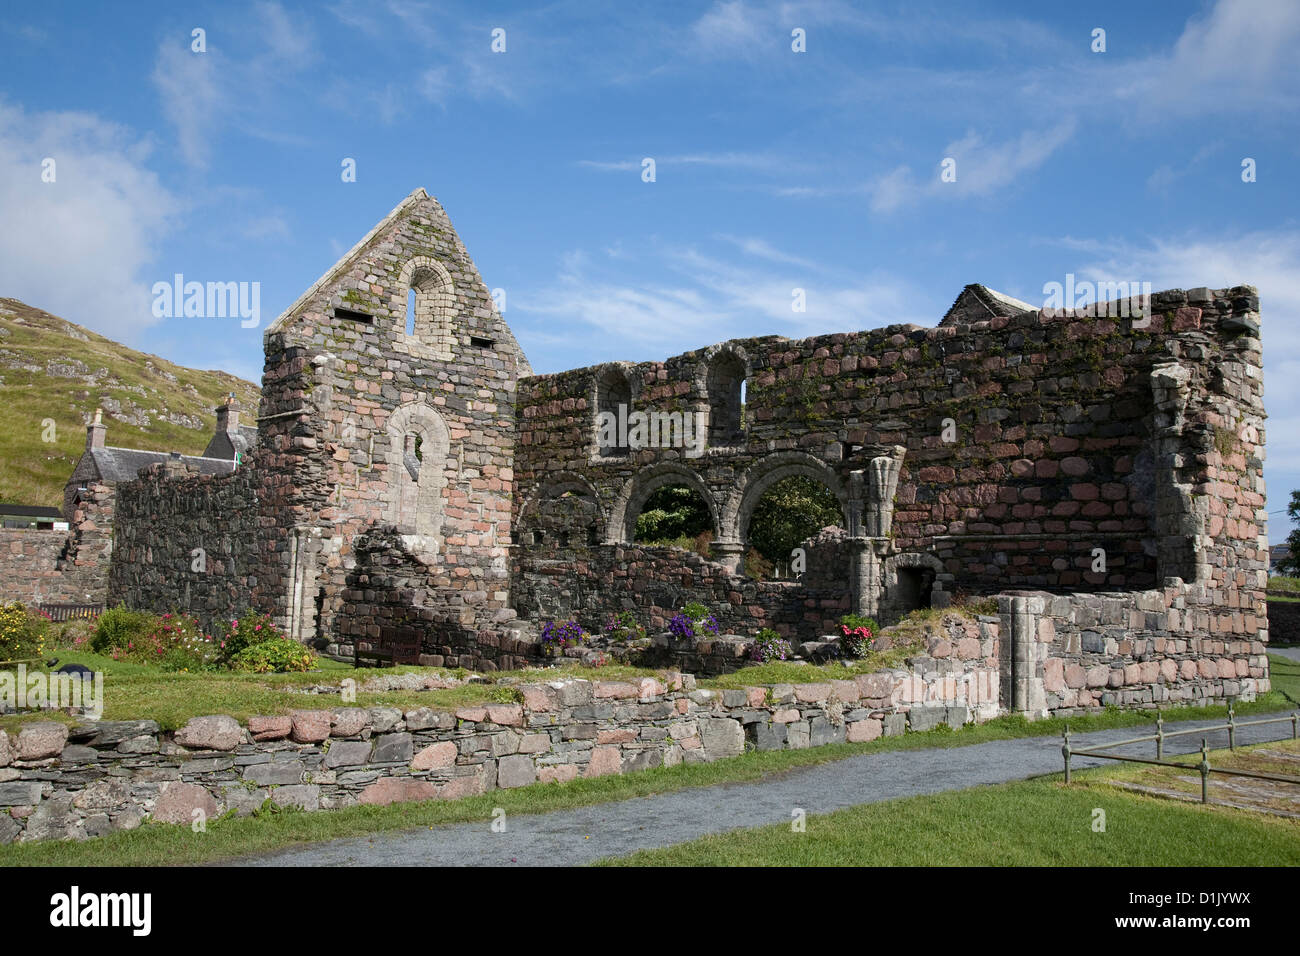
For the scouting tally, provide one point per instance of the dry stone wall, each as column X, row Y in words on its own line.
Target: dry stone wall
column 57, row 783
column 1154, row 648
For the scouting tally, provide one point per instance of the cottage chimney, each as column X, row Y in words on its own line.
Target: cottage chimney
column 228, row 416
column 96, row 430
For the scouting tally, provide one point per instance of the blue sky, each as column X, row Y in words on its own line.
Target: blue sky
column 774, row 169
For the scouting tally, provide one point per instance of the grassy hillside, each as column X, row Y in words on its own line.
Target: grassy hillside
column 53, row 369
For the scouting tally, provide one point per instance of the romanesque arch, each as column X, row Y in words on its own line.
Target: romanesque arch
column 544, row 496
column 435, row 303
column 418, row 459
column 632, row 498
column 719, row 386
column 768, row 471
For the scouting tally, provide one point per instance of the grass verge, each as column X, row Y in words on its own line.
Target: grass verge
column 1037, row 822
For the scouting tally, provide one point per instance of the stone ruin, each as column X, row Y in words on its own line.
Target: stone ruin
column 419, row 490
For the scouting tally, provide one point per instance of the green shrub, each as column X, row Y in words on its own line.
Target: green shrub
column 248, row 631
column 177, row 643
column 22, row 632
column 506, row 695
column 119, row 628
column 277, row 655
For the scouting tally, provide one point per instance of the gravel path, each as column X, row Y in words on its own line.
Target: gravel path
column 567, row 837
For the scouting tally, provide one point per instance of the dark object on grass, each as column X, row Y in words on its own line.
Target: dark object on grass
column 85, row 672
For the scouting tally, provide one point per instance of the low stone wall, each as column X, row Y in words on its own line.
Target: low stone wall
column 1072, row 652
column 61, row 567
column 109, row 775
column 967, row 640
column 593, row 583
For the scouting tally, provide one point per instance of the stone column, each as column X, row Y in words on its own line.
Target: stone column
column 865, row 577
column 1021, row 677
column 730, row 554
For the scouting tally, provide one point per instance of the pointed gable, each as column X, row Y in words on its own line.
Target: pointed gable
column 413, row 248
column 978, row 303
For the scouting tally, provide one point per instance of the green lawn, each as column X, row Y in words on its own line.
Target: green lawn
column 1038, row 822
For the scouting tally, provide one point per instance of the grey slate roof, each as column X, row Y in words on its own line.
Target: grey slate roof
column 124, row 464
column 222, row 445
column 30, row 511
column 978, row 302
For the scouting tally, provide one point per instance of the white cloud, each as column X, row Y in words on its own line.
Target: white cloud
column 1239, row 55
column 204, row 93
column 733, row 28
column 981, row 168
column 192, row 99
column 707, row 299
column 77, row 247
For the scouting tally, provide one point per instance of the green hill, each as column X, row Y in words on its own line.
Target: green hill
column 53, row 369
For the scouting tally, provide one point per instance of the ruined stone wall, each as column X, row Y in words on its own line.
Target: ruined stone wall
column 61, row 567
column 408, row 432
column 364, row 428
column 590, row 584
column 390, row 607
column 1031, row 445
column 193, row 543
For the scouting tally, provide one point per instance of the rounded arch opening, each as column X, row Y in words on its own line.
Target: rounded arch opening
column 785, row 516
column 419, row 454
column 428, row 303
column 564, row 512
column 726, row 391
column 632, row 500
column 613, row 405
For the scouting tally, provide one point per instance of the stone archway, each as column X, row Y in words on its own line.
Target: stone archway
column 622, row 520
column 435, row 304
column 418, row 459
column 554, row 487
column 767, row 472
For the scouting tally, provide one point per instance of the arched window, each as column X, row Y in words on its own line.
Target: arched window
column 726, row 391
column 613, row 405
column 428, row 298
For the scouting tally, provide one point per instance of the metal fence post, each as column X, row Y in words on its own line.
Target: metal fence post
column 1295, row 725
column 1205, row 771
column 1065, row 752
column 1160, row 735
column 1232, row 728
